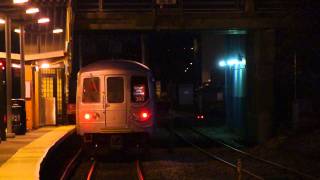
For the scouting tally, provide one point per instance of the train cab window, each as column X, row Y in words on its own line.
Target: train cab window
column 139, row 89
column 91, row 90
column 115, row 89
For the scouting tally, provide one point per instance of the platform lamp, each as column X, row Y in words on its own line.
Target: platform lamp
column 20, row 1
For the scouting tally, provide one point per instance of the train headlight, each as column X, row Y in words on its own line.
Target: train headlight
column 87, row 116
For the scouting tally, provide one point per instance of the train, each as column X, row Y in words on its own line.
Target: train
column 115, row 103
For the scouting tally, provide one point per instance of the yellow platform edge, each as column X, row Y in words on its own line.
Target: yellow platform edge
column 25, row 163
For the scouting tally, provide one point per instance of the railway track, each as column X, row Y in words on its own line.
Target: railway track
column 94, row 168
column 71, row 165
column 256, row 158
column 130, row 168
column 237, row 162
column 214, row 156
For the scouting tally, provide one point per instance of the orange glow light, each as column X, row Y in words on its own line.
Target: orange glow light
column 45, row 66
column 15, row 65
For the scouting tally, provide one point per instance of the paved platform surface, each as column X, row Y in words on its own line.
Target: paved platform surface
column 20, row 157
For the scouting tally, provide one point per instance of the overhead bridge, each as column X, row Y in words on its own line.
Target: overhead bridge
column 182, row 14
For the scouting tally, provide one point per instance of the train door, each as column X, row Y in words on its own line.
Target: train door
column 115, row 101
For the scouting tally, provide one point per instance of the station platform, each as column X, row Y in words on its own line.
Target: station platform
column 21, row 157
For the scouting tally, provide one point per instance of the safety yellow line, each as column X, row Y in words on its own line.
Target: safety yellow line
column 25, row 163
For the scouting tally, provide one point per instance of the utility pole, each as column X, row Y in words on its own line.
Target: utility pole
column 8, row 76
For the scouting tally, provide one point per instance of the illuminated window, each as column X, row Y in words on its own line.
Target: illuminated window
column 52, row 86
column 47, row 86
column 59, row 91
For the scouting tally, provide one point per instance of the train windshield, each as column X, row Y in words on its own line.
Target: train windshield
column 115, row 89
column 139, row 89
column 91, row 90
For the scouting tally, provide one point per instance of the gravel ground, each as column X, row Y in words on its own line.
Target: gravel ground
column 184, row 163
column 299, row 151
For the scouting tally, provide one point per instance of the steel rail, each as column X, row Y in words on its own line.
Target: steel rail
column 139, row 171
column 70, row 166
column 255, row 157
column 216, row 157
column 91, row 170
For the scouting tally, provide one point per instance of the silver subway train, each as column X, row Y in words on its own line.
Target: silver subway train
column 115, row 102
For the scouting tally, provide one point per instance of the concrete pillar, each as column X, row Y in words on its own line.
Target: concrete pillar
column 22, row 69
column 260, row 84
column 36, row 99
column 8, row 76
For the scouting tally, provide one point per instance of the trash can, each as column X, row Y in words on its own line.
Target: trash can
column 18, row 116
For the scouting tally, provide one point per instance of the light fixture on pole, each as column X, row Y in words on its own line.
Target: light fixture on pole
column 2, row 21
column 57, row 31
column 43, row 20
column 19, row 1
column 32, row 10
column 232, row 62
column 45, row 66
column 17, row 31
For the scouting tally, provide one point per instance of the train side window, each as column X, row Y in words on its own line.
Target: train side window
column 91, row 90
column 139, row 89
column 115, row 89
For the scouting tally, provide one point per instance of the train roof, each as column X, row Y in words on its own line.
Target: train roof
column 118, row 64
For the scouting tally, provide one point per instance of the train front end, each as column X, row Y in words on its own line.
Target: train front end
column 115, row 107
